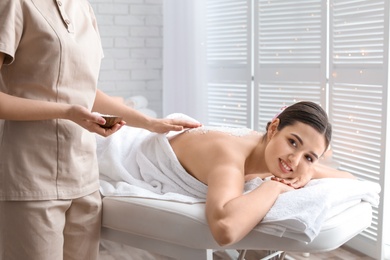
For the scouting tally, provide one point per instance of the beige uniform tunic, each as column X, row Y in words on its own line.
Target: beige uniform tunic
column 53, row 53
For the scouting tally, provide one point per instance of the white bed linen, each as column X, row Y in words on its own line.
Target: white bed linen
column 177, row 229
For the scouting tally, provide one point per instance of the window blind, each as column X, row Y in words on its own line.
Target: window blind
column 228, row 58
column 290, row 60
column 357, row 105
column 264, row 54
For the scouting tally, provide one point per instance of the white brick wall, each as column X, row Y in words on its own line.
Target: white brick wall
column 131, row 32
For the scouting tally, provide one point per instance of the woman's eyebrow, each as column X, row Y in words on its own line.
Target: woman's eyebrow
column 299, row 138
column 301, row 142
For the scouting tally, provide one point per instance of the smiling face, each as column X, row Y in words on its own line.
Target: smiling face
column 293, row 150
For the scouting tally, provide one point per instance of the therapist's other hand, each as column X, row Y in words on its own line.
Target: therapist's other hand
column 165, row 125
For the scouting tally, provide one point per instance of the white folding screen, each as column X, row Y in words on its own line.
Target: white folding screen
column 254, row 48
column 290, row 56
column 259, row 55
column 229, row 52
column 183, row 58
column 335, row 55
column 358, row 68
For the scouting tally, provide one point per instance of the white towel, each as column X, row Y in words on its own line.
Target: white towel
column 301, row 213
column 135, row 162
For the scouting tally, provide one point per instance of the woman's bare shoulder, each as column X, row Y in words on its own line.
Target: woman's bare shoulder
column 205, row 153
column 221, row 143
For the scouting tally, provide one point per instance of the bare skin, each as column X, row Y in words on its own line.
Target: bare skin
column 15, row 108
column 290, row 155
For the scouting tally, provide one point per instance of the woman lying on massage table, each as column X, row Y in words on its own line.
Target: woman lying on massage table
column 288, row 153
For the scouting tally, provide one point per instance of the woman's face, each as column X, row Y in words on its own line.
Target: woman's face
column 292, row 151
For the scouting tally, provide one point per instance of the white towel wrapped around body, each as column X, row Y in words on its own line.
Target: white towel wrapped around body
column 135, row 162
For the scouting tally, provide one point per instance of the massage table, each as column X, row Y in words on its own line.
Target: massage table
column 179, row 230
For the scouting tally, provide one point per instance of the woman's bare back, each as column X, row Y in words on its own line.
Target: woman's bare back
column 203, row 149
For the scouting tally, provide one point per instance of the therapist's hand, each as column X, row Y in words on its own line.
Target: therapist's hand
column 91, row 121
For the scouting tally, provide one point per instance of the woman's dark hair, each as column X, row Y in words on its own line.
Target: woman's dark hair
column 308, row 113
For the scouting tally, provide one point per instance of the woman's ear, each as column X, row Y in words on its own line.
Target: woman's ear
column 273, row 128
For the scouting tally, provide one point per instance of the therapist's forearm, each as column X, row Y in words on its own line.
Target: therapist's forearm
column 2, row 55
column 15, row 108
column 106, row 104
column 21, row 109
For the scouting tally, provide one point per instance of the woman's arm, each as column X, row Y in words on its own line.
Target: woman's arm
column 218, row 160
column 105, row 104
column 231, row 214
column 323, row 171
column 318, row 171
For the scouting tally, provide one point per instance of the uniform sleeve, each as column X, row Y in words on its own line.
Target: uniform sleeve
column 11, row 27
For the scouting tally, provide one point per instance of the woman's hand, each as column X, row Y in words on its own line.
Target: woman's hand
column 287, row 184
column 91, row 121
column 295, row 183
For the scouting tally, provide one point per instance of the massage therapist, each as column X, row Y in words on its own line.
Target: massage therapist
column 50, row 53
